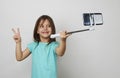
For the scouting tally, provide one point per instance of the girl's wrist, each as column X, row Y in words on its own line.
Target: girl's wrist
column 63, row 39
column 18, row 42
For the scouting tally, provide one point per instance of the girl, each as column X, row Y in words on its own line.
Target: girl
column 44, row 50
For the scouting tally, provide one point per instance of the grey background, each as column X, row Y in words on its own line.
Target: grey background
column 94, row 54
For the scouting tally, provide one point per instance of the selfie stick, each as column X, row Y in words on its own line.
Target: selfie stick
column 57, row 35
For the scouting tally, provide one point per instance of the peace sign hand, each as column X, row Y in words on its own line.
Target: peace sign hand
column 16, row 36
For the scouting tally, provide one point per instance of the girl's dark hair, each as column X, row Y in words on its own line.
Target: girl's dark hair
column 36, row 36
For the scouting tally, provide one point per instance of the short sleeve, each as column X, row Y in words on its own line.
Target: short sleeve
column 31, row 46
column 56, row 44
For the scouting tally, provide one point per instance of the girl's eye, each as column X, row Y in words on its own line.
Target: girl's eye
column 41, row 26
column 49, row 25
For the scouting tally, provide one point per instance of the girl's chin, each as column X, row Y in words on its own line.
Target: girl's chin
column 46, row 36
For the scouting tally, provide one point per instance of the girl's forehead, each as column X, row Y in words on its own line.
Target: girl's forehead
column 46, row 21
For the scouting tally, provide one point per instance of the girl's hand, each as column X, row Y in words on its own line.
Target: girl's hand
column 64, row 35
column 16, row 36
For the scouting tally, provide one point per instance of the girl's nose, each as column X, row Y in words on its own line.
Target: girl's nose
column 45, row 27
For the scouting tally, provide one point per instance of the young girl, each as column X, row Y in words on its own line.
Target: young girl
column 44, row 50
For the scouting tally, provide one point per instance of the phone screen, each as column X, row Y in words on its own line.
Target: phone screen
column 86, row 18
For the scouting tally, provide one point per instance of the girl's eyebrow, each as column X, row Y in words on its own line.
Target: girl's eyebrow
column 41, row 22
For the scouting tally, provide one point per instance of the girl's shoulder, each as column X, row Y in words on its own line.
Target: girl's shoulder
column 33, row 43
column 55, row 43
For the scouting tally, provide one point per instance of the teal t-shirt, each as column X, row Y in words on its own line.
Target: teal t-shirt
column 44, row 59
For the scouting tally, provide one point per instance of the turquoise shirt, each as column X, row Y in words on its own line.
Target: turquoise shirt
column 44, row 59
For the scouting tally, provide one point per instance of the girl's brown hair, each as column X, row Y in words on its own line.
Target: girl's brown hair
column 36, row 36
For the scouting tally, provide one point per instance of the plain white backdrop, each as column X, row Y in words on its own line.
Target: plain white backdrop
column 94, row 54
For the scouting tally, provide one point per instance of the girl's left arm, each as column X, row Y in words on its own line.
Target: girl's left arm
column 60, row 50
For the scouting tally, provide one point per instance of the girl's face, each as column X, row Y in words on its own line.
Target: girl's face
column 44, row 29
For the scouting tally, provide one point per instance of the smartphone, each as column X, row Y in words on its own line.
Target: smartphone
column 91, row 19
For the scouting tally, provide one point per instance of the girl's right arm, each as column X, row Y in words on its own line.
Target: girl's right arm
column 20, row 55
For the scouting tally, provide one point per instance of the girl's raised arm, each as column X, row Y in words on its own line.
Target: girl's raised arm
column 20, row 55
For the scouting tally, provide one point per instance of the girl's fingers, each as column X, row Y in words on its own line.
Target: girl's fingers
column 68, row 35
column 13, row 31
column 18, row 31
column 64, row 34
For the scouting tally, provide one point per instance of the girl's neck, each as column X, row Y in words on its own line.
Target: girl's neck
column 46, row 40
